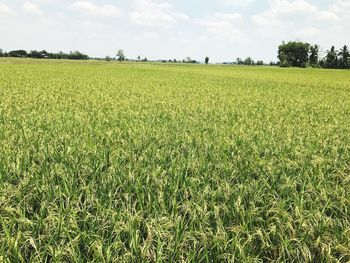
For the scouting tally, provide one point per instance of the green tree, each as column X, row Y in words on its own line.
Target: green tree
column 120, row 55
column 313, row 59
column 207, row 60
column 76, row 55
column 18, row 53
column 248, row 61
column 344, row 58
column 331, row 58
column 295, row 54
column 34, row 54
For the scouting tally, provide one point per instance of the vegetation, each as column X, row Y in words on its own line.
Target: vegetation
column 291, row 54
column 344, row 58
column 331, row 60
column 189, row 60
column 337, row 60
column 299, row 54
column 76, row 55
column 108, row 162
column 314, row 56
column 248, row 62
column 295, row 54
column 120, row 55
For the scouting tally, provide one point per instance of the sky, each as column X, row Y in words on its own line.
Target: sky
column 173, row 29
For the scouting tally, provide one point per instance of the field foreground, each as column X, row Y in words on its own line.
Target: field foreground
column 111, row 162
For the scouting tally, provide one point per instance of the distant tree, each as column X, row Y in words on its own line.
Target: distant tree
column 18, row 53
column 108, row 58
column 139, row 58
column 239, row 61
column 175, row 61
column 313, row 59
column 295, row 54
column 76, row 55
column 260, row 62
column 61, row 55
column 42, row 54
column 283, row 61
column 190, row 61
column 322, row 63
column 248, row 61
column 34, row 54
column 46, row 54
column 207, row 60
column 344, row 58
column 331, row 60
column 145, row 60
column 120, row 55
column 1, row 53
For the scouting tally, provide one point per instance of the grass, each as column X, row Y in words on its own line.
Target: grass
column 106, row 162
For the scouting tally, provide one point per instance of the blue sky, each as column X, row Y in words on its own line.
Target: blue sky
column 220, row 29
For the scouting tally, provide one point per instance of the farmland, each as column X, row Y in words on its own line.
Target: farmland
column 132, row 162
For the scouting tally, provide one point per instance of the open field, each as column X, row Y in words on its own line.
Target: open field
column 110, row 162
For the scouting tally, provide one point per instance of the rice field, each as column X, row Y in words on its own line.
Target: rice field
column 109, row 162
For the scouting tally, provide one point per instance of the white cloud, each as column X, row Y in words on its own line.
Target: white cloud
column 237, row 3
column 52, row 22
column 223, row 26
column 148, row 35
column 4, row 9
column 290, row 17
column 151, row 13
column 90, row 8
column 297, row 10
column 170, row 28
column 31, row 8
column 341, row 8
column 341, row 30
column 308, row 32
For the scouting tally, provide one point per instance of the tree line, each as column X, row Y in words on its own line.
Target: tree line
column 248, row 62
column 121, row 57
column 76, row 55
column 291, row 54
column 300, row 54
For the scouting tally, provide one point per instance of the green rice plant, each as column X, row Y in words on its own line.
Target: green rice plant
column 123, row 162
